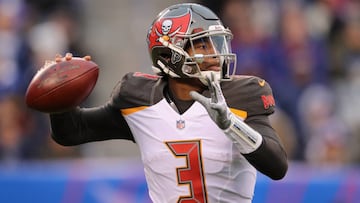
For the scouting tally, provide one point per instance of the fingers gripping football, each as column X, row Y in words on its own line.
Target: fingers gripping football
column 68, row 57
column 215, row 105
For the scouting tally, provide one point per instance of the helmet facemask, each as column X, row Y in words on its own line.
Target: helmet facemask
column 204, row 52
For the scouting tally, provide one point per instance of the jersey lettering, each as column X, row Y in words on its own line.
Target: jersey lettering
column 193, row 173
column 268, row 100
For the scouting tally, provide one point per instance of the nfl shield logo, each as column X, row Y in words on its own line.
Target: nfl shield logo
column 180, row 124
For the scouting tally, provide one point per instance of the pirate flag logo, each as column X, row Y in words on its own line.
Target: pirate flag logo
column 167, row 28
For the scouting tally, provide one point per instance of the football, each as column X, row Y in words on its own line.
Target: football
column 62, row 84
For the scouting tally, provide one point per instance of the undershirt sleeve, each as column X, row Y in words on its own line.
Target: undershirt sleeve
column 270, row 151
column 82, row 125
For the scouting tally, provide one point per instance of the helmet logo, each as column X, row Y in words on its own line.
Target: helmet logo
column 168, row 27
column 175, row 57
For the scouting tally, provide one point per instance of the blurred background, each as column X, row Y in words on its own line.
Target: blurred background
column 308, row 51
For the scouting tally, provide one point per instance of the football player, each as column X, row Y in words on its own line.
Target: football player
column 202, row 132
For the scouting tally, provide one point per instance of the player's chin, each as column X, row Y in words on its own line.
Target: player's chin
column 195, row 82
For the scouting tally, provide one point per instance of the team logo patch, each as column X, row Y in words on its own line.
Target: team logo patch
column 268, row 100
column 180, row 124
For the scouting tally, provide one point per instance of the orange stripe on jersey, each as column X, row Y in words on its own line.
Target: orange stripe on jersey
column 240, row 113
column 132, row 110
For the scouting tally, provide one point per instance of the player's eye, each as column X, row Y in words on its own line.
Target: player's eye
column 200, row 46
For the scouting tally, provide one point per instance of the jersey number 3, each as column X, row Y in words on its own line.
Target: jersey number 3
column 193, row 173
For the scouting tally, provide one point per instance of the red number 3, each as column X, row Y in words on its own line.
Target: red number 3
column 192, row 174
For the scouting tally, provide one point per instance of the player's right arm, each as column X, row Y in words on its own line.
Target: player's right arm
column 82, row 125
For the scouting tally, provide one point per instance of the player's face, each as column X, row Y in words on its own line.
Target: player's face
column 204, row 47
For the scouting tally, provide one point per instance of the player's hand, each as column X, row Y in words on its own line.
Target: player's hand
column 68, row 57
column 216, row 105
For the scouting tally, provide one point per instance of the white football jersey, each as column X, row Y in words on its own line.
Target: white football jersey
column 187, row 157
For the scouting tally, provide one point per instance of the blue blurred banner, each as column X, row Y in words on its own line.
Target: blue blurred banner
column 122, row 181
column 305, row 184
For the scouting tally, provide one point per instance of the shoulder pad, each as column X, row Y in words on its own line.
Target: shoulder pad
column 250, row 94
column 135, row 89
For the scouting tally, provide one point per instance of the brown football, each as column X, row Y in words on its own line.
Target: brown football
column 62, row 85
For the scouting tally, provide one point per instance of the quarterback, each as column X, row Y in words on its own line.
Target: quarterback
column 203, row 133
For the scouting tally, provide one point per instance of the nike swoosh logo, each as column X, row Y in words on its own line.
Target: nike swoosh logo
column 262, row 83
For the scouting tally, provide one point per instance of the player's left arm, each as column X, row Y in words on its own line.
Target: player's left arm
column 254, row 137
column 270, row 157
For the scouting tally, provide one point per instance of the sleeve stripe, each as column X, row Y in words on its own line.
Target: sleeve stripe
column 240, row 113
column 129, row 111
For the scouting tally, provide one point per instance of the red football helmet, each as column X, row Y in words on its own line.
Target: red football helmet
column 175, row 31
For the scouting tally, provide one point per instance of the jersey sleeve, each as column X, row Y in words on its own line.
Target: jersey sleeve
column 253, row 96
column 250, row 94
column 134, row 90
column 82, row 125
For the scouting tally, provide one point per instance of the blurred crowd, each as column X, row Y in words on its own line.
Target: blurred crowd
column 31, row 31
column 307, row 50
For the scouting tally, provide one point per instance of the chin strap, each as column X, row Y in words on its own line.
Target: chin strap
column 243, row 136
column 165, row 69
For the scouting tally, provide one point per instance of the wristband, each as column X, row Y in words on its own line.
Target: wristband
column 243, row 136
